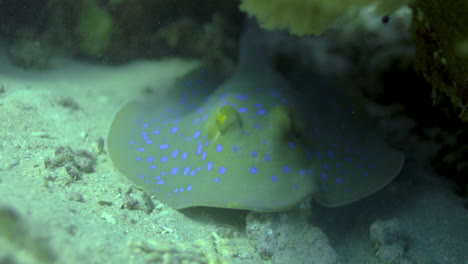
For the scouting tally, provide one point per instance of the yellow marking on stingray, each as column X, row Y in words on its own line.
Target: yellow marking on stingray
column 221, row 118
column 226, row 117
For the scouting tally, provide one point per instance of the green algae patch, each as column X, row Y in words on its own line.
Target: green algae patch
column 94, row 28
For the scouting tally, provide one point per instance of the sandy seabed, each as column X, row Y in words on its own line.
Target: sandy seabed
column 61, row 200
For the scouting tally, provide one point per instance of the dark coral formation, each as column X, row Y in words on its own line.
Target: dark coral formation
column 116, row 31
column 441, row 35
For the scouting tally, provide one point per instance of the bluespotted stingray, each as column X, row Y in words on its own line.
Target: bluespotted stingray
column 251, row 141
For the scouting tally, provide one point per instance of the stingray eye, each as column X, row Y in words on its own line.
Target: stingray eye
column 288, row 123
column 227, row 117
column 297, row 132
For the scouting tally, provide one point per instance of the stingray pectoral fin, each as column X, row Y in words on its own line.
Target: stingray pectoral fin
column 354, row 181
column 123, row 129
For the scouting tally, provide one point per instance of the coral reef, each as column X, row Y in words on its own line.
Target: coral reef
column 121, row 30
column 30, row 50
column 441, row 35
column 305, row 17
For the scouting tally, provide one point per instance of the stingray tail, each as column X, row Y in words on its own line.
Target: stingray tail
column 254, row 53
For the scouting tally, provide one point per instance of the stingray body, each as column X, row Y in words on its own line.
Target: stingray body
column 250, row 142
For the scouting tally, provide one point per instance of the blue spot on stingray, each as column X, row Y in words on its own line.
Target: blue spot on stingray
column 242, row 97
column 196, row 121
column 204, row 155
column 184, row 156
column 219, row 148
column 187, row 139
column 267, row 157
column 295, row 186
column 261, row 112
column 141, row 149
column 319, row 155
column 137, row 158
column 150, row 159
column 324, row 175
column 164, row 159
column 189, row 188
column 174, row 129
column 325, row 166
column 242, row 109
column 365, row 173
column 274, row 178
column 192, row 173
column 209, row 166
column 164, row 146
column 253, row 170
column 254, row 153
column 160, row 182
column 132, row 142
column 339, row 165
column 338, row 180
column 197, row 134
column 310, row 171
column 174, row 153
column 174, row 170
column 257, row 126
column 347, row 159
column 144, row 133
column 287, row 169
column 186, row 170
column 234, row 148
column 149, row 142
column 331, row 154
column 222, row 170
column 216, row 179
column 153, row 166
column 156, row 132
column 199, row 149
column 291, row 145
column 274, row 94
column 258, row 105
column 145, row 125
